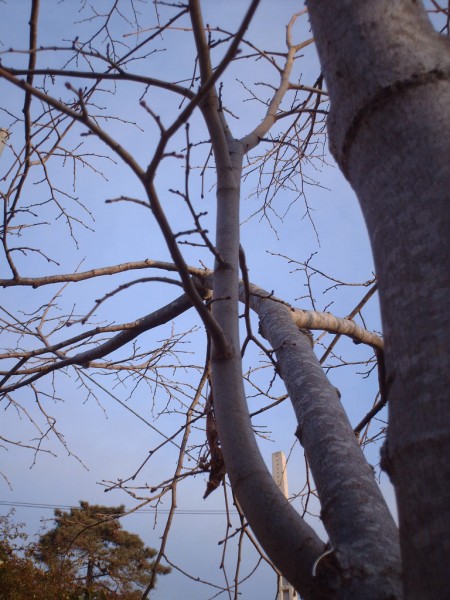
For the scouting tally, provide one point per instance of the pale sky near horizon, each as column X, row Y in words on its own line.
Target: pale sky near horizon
column 108, row 439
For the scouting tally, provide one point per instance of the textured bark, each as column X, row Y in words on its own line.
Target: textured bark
column 387, row 72
column 358, row 522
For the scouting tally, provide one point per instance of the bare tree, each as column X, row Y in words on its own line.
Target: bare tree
column 398, row 108
column 70, row 89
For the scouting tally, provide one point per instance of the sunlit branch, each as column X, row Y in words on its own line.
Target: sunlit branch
column 252, row 140
column 352, row 314
column 36, row 282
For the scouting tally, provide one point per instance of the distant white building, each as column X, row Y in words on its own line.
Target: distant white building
column 285, row 590
column 4, row 135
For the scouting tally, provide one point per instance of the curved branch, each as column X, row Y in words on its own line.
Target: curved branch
column 252, row 139
column 312, row 319
column 81, row 117
column 357, row 519
column 36, row 282
column 158, row 317
column 304, row 319
column 284, row 535
column 116, row 77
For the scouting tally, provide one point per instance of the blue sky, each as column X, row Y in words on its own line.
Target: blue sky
column 110, row 441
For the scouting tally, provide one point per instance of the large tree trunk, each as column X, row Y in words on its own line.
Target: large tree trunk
column 387, row 73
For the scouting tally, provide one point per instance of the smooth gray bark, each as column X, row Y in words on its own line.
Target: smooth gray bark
column 388, row 72
column 290, row 543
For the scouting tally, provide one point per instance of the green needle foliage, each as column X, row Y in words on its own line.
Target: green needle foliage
column 89, row 548
column 20, row 577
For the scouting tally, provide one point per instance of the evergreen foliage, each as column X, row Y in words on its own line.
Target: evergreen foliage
column 87, row 555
